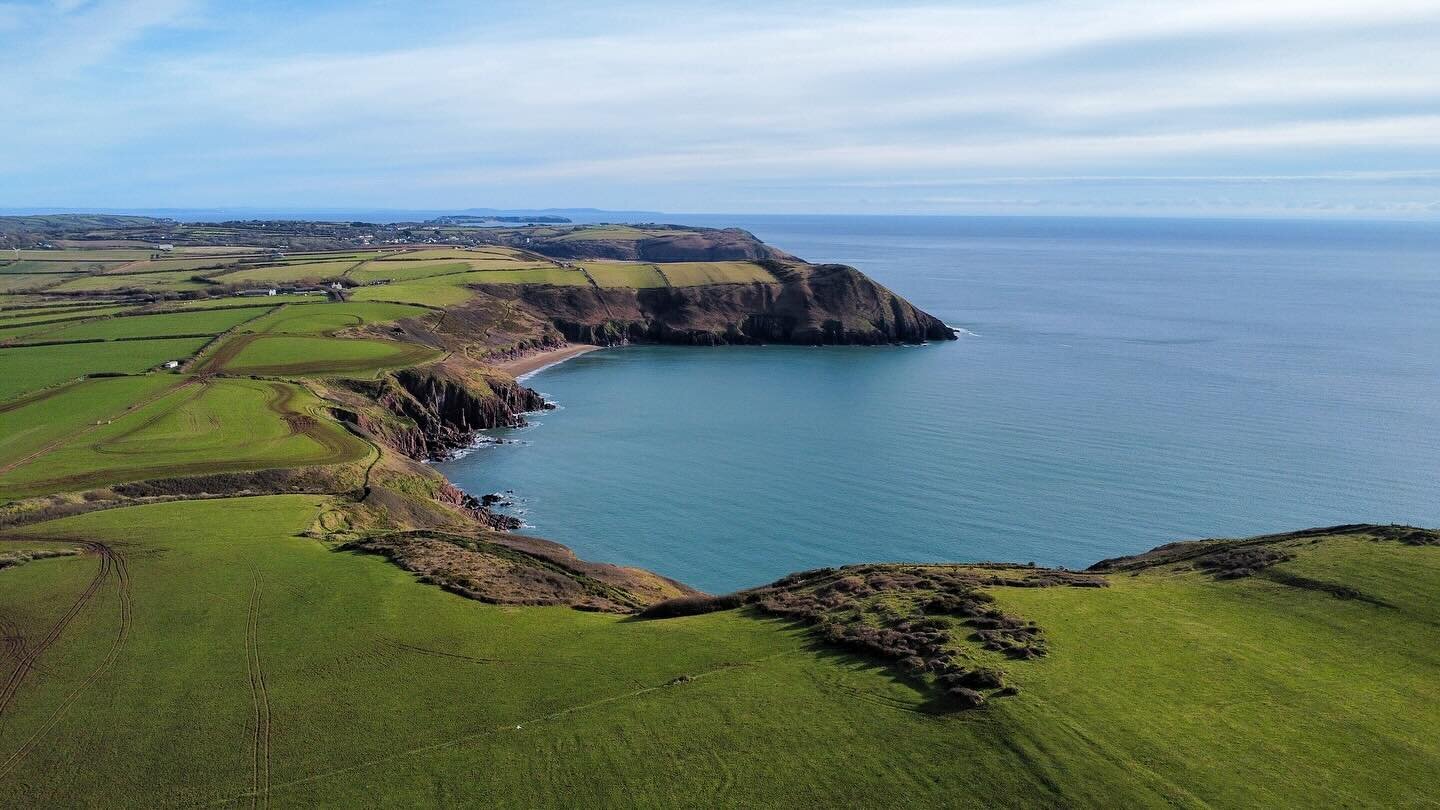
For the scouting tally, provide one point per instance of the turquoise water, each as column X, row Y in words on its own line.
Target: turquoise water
column 1121, row 384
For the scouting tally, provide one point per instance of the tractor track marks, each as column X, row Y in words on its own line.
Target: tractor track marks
column 112, row 564
column 58, row 443
column 491, row 732
column 259, row 701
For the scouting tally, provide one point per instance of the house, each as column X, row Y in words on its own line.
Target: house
column 254, row 293
column 171, row 364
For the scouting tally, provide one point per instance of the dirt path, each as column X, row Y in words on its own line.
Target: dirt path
column 259, row 701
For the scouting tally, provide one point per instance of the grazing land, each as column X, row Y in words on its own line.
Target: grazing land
column 306, row 355
column 228, row 578
column 31, row 368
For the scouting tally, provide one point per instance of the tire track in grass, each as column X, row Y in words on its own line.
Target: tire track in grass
column 58, row 443
column 112, row 563
column 32, row 655
column 259, row 701
column 450, row 743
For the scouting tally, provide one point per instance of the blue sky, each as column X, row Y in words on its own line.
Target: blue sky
column 1275, row 108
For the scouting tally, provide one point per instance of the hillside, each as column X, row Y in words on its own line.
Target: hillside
column 227, row 576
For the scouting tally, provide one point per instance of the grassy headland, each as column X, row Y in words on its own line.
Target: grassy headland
column 225, row 577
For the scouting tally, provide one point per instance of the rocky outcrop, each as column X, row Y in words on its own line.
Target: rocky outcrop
column 807, row 304
column 432, row 411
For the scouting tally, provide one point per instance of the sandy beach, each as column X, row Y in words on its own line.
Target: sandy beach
column 535, row 362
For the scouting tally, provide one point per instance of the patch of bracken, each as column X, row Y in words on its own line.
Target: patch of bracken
column 1241, row 561
column 918, row 619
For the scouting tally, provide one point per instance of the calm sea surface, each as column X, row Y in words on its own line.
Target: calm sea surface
column 1120, row 384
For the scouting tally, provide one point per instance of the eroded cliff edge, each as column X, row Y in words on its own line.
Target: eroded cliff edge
column 826, row 304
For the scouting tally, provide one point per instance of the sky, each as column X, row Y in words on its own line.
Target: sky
column 1108, row 107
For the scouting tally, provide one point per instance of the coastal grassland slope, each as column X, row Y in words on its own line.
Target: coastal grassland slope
column 232, row 582
column 1169, row 687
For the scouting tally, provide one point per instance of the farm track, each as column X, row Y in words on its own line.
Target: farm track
column 259, row 701
column 38, row 396
column 112, row 563
column 58, row 443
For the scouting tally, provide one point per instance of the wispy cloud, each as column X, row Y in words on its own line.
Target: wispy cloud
column 664, row 110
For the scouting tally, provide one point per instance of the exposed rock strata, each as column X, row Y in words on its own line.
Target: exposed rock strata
column 809, row 304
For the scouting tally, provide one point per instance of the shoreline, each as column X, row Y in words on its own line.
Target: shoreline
column 522, row 367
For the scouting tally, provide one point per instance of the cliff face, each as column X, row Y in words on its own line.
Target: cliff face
column 809, row 304
column 440, row 410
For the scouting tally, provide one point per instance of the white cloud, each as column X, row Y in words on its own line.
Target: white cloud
column 908, row 94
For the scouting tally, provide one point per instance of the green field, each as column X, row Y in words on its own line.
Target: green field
column 24, row 317
column 319, row 318
column 638, row 275
column 170, row 281
column 296, row 355
column 32, row 423
column 285, row 273
column 437, row 291
column 693, row 274
column 34, row 266
column 405, row 271
column 1165, row 689
column 36, row 367
column 203, row 322
column 195, row 428
column 18, row 282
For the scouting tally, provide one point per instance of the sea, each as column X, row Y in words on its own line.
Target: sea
column 1117, row 384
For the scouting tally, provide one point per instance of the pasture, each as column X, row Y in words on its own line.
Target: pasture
column 170, row 281
column 638, row 275
column 312, row 356
column 285, row 273
column 31, row 368
column 695, row 274
column 320, row 318
column 197, row 322
column 194, row 427
column 438, row 698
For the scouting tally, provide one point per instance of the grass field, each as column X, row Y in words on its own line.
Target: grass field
column 319, row 318
column 16, row 318
column 436, row 291
column 35, row 266
column 169, row 281
column 308, row 271
column 30, row 424
column 305, row 355
column 694, row 274
column 405, row 271
column 203, row 322
column 194, row 428
column 36, row 367
column 442, row 700
column 638, row 275
column 18, row 282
